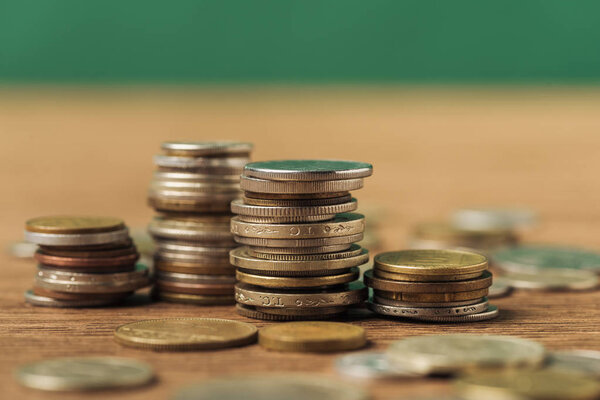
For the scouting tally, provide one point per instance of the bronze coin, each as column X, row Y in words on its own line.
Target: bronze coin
column 483, row 282
column 297, row 196
column 432, row 297
column 85, row 262
column 194, row 288
column 99, row 270
column 53, row 251
column 39, row 291
column 394, row 276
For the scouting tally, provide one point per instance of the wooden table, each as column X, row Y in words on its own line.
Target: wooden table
column 90, row 151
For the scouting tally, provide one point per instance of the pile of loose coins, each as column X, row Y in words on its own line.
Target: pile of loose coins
column 299, row 259
column 83, row 262
column 192, row 190
column 431, row 285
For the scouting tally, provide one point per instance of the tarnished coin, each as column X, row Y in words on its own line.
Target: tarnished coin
column 264, row 314
column 353, row 251
column 417, row 312
column 482, row 282
column 77, row 239
column 84, row 373
column 296, row 187
column 297, row 202
column 575, row 361
column 190, row 229
column 431, row 262
column 203, row 300
column 528, row 384
column 552, row 279
column 63, row 224
column 177, row 334
column 199, row 149
column 83, row 262
column 312, row 336
column 394, row 276
column 489, row 218
column 334, row 248
column 444, row 354
column 500, row 288
column 369, row 365
column 272, row 387
column 308, row 170
column 326, row 241
column 535, row 257
column 433, row 297
column 44, row 301
column 107, row 297
column 238, row 207
column 297, row 282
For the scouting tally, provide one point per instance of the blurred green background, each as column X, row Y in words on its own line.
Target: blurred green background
column 299, row 41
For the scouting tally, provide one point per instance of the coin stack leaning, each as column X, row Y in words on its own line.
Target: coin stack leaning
column 431, row 285
column 299, row 259
column 192, row 189
column 83, row 261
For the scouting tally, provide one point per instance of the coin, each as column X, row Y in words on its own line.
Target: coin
column 394, row 276
column 552, row 279
column 192, row 196
column 353, row 251
column 327, row 241
column 74, row 224
column 431, row 262
column 78, row 282
column 199, row 149
column 499, row 288
column 303, row 311
column 194, row 268
column 344, row 224
column 294, row 196
column 293, row 187
column 44, row 301
column 207, row 204
column 286, row 220
column 189, row 230
column 535, row 257
column 179, row 176
column 183, row 249
column 297, row 282
column 451, row 236
column 433, row 297
column 238, row 207
column 444, row 354
column 528, row 384
column 488, row 218
column 200, row 162
column 188, row 188
column 178, row 334
column 84, row 373
column 482, row 282
column 312, row 336
column 369, row 365
column 72, row 239
column 575, row 361
column 491, row 313
column 197, row 299
column 302, row 250
column 59, row 252
column 399, row 303
column 254, row 313
column 195, row 288
column 108, row 297
column 426, row 312
column 297, row 202
column 272, row 387
column 308, row 170
column 82, row 262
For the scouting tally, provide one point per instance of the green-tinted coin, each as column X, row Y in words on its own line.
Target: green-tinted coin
column 308, row 170
column 533, row 257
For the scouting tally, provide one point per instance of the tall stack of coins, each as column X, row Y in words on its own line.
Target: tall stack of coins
column 431, row 285
column 300, row 258
column 191, row 190
column 83, row 261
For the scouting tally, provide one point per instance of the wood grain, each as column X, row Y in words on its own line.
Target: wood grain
column 89, row 151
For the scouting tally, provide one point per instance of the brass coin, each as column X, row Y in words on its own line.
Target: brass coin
column 195, row 288
column 74, row 224
column 292, row 187
column 194, row 268
column 205, row 149
column 302, row 250
column 44, row 301
column 109, row 297
column 294, row 196
column 482, row 282
column 398, row 303
column 297, row 282
column 295, row 274
column 126, row 243
column 176, row 334
column 238, row 207
column 433, row 297
column 353, row 251
column 117, row 261
column 326, row 241
column 297, row 202
column 205, row 205
column 431, row 262
column 252, row 312
column 423, row 278
column 201, row 300
column 312, row 336
column 307, row 170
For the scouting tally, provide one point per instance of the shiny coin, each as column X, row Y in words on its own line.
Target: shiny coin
column 238, row 207
column 353, row 251
column 308, row 170
column 493, row 218
column 84, row 373
column 185, row 334
column 431, row 262
column 499, row 288
column 202, row 300
column 272, row 387
column 76, row 239
column 296, row 202
column 482, row 282
column 394, row 276
column 575, row 361
column 255, row 313
column 433, row 297
column 534, row 257
column 369, row 365
column 302, row 250
column 528, row 384
column 327, row 241
column 444, row 354
column 442, row 234
column 297, row 282
column 200, row 162
column 295, row 187
column 74, row 224
column 199, row 149
column 417, row 312
column 552, row 279
column 44, row 301
column 312, row 337
column 78, row 262
column 491, row 313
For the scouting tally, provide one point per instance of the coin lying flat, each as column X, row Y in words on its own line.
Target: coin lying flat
column 296, row 187
column 190, row 229
column 534, row 257
column 327, row 241
column 297, row 202
column 84, row 373
column 302, row 250
column 433, row 297
column 431, row 262
column 272, row 387
column 256, row 313
column 197, row 299
column 575, row 361
column 297, row 282
column 552, row 279
column 312, row 336
column 44, row 301
column 199, row 149
column 353, row 251
column 77, row 239
column 238, row 207
column 444, row 354
column 178, row 334
column 308, row 170
column 74, row 224
column 200, row 162
column 482, row 282
column 528, row 384
column 487, row 218
column 394, row 276
column 369, row 365
column 428, row 312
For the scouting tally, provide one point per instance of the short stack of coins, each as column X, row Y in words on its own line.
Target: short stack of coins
column 300, row 258
column 192, row 190
column 83, row 261
column 431, row 285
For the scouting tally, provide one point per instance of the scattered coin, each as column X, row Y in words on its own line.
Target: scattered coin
column 575, row 361
column 84, row 373
column 535, row 257
column 484, row 218
column 369, row 365
column 552, row 279
column 443, row 235
column 312, row 336
column 500, row 288
column 180, row 334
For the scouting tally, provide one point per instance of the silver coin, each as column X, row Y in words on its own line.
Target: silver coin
column 197, row 149
column 199, row 197
column 239, row 207
column 308, row 170
column 200, row 162
column 500, row 288
column 190, row 230
column 577, row 361
column 194, row 187
column 194, row 278
column 329, row 241
column 491, row 313
column 535, row 257
column 43, row 301
column 180, row 249
column 170, row 176
column 425, row 312
column 493, row 218
column 552, row 279
column 285, row 220
column 22, row 249
column 84, row 373
column 301, row 250
column 84, row 239
column 299, row 187
column 399, row 303
column 369, row 365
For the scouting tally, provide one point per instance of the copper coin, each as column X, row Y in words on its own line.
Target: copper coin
column 93, row 247
column 483, row 282
column 99, row 270
column 53, row 251
column 86, row 262
column 189, row 205
column 195, row 268
column 432, row 297
column 64, row 224
column 39, row 291
column 297, row 196
column 195, row 288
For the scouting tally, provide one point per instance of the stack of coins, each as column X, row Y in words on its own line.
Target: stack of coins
column 83, row 261
column 431, row 285
column 192, row 190
column 300, row 258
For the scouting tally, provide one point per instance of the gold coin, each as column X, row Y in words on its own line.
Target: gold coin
column 312, row 336
column 179, row 334
column 431, row 262
column 482, row 282
column 433, row 297
column 64, row 224
column 528, row 384
column 423, row 278
column 297, row 282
